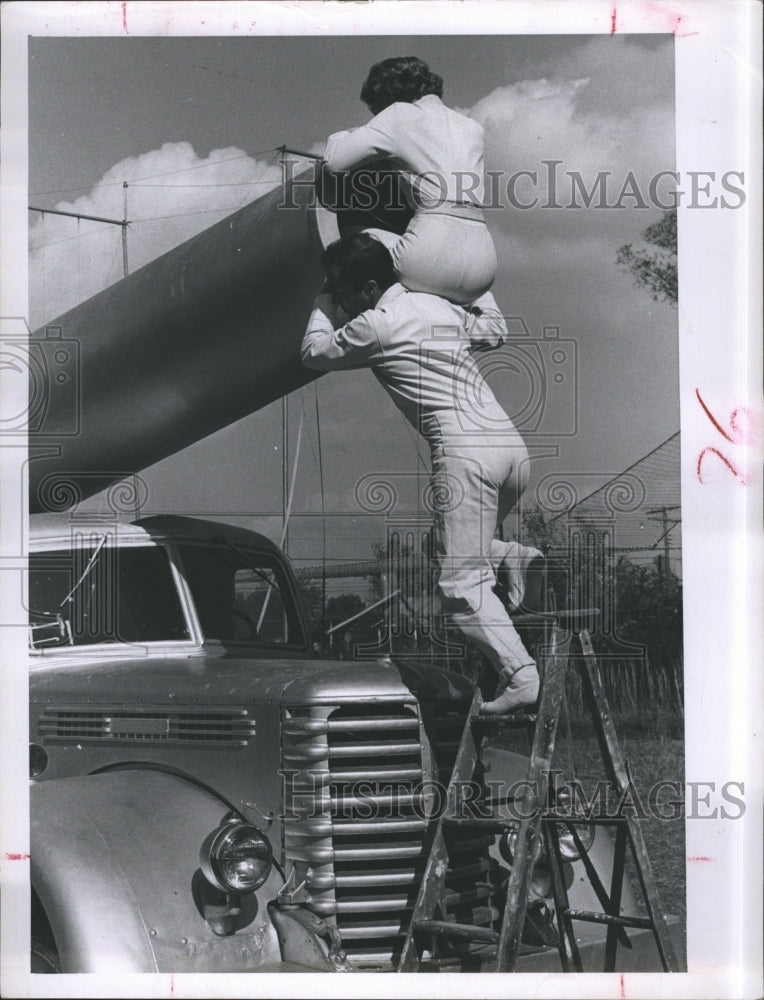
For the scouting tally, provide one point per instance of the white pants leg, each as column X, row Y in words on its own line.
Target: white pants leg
column 471, row 489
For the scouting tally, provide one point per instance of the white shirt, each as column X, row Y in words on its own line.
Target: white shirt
column 438, row 151
column 419, row 347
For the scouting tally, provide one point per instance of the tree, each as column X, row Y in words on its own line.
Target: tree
column 654, row 266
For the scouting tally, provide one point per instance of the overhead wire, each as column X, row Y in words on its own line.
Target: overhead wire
column 164, row 173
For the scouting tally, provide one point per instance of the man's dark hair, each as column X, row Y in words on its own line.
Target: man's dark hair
column 356, row 259
column 404, row 78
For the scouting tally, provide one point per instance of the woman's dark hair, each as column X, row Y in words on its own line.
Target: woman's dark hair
column 356, row 259
column 404, row 78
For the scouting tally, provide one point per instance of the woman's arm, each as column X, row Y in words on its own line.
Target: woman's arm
column 345, row 150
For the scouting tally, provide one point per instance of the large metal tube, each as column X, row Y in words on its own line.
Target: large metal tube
column 193, row 341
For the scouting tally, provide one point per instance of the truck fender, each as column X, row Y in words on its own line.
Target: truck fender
column 115, row 866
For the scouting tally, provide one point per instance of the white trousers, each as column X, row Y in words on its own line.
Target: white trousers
column 443, row 255
column 473, row 489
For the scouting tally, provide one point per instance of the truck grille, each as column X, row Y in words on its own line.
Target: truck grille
column 187, row 726
column 357, row 818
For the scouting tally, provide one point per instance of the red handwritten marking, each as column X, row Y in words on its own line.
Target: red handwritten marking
column 700, row 857
column 713, row 419
column 613, row 15
column 172, row 984
column 16, row 857
column 124, row 18
column 730, row 466
column 623, row 988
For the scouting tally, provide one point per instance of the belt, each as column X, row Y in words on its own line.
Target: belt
column 456, row 209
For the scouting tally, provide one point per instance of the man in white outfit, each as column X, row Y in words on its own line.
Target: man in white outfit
column 419, row 347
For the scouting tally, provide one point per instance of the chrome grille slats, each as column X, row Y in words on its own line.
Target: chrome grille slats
column 207, row 727
column 361, row 737
column 357, row 825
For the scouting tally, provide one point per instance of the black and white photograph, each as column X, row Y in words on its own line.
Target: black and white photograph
column 380, row 434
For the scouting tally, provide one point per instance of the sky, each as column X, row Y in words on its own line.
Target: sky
column 191, row 124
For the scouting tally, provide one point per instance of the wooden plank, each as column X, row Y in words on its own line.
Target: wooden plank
column 434, row 878
column 614, row 903
column 466, row 932
column 534, row 801
column 568, row 949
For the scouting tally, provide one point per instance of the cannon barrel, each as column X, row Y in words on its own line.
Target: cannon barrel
column 193, row 341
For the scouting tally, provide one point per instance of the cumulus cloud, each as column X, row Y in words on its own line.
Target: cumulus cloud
column 530, row 123
column 172, row 194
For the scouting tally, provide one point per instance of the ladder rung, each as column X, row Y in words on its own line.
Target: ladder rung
column 594, row 917
column 537, row 617
column 468, row 932
column 512, row 721
column 493, row 824
column 584, row 820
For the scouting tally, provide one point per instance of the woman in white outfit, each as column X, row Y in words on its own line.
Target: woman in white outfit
column 447, row 249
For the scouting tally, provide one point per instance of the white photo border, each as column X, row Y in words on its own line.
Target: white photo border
column 718, row 112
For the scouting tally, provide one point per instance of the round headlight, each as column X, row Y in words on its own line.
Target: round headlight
column 236, row 857
column 571, row 848
column 38, row 760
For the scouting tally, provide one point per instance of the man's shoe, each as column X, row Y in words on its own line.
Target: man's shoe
column 520, row 691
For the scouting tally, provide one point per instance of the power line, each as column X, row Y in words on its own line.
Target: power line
column 165, row 173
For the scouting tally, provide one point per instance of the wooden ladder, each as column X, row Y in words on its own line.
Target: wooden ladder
column 540, row 822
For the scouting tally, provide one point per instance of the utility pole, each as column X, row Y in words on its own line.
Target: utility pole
column 665, row 564
column 124, row 223
column 124, row 228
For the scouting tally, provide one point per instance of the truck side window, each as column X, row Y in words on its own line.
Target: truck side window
column 240, row 595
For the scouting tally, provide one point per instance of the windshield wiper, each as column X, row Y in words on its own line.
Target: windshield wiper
column 70, row 596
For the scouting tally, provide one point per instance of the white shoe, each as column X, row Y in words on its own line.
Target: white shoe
column 521, row 690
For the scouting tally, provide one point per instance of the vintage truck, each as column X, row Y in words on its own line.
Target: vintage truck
column 208, row 795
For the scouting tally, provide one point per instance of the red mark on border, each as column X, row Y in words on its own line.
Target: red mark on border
column 613, row 17
column 700, row 857
column 124, row 18
column 623, row 988
column 730, row 466
column 740, row 434
column 172, row 984
column 715, row 422
column 16, row 857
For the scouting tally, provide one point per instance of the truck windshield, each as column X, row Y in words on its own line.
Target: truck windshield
column 127, row 595
column 241, row 595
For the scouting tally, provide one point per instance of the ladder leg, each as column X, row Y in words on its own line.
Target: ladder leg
column 434, row 877
column 613, row 757
column 533, row 800
column 569, row 954
column 614, row 903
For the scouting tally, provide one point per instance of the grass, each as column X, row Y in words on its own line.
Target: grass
column 650, row 760
column 653, row 747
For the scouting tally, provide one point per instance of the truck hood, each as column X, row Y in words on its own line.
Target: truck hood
column 218, row 677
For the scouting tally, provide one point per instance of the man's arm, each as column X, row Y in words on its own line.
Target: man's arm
column 329, row 349
column 486, row 328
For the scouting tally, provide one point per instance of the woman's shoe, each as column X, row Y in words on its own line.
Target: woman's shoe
column 520, row 690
